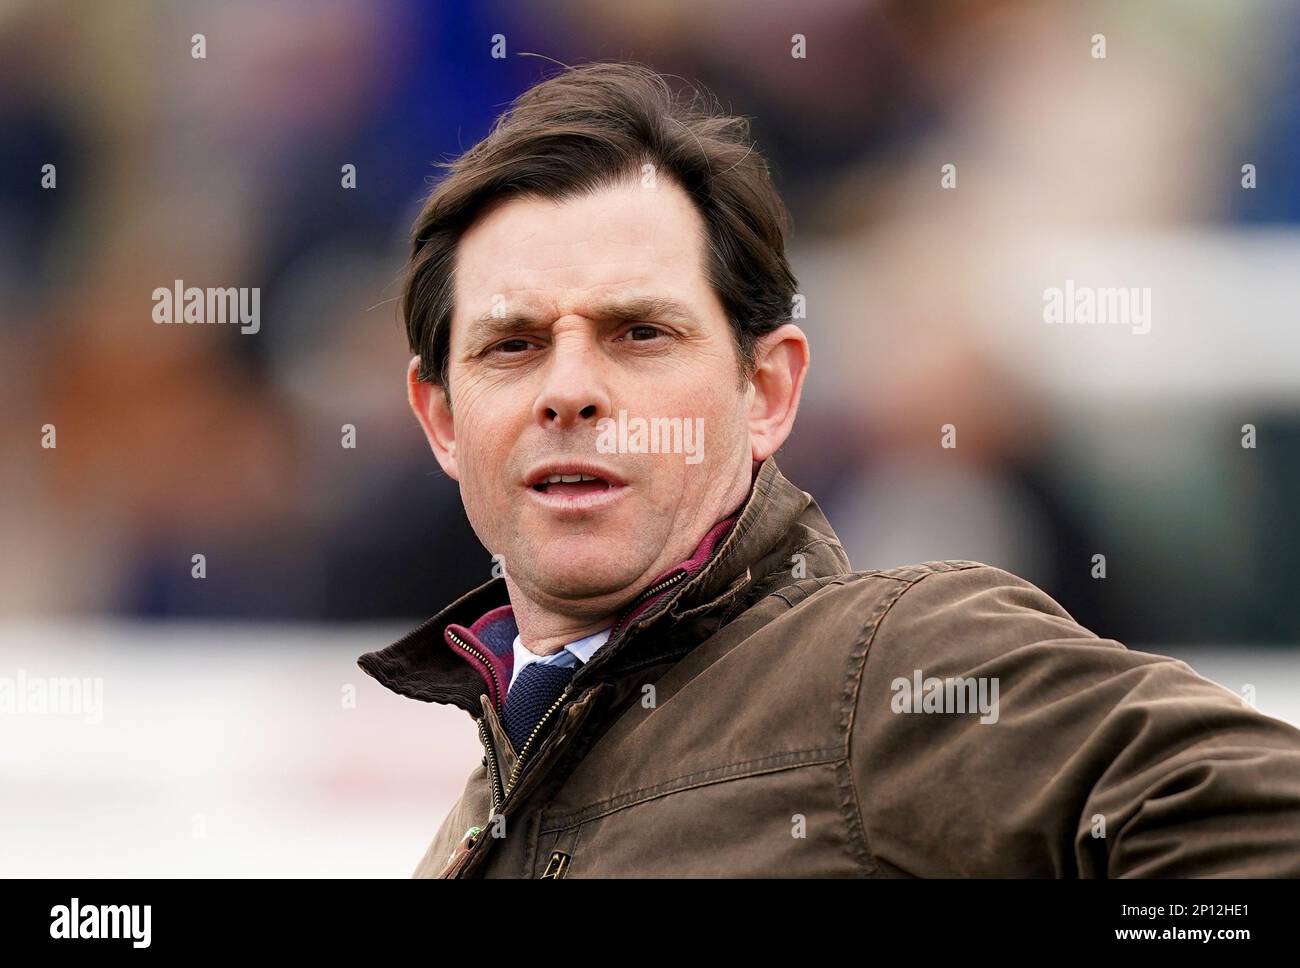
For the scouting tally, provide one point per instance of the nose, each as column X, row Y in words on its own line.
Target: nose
column 574, row 389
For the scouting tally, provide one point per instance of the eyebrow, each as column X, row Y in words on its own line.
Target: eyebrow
column 623, row 309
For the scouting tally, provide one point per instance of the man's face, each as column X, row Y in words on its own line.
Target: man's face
column 567, row 313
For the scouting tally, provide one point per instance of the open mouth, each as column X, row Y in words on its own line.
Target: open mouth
column 571, row 485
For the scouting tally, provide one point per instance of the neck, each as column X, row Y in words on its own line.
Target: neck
column 545, row 633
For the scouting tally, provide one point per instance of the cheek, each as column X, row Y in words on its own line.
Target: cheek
column 725, row 418
column 482, row 438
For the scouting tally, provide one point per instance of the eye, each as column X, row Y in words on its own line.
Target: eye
column 642, row 333
column 511, row 347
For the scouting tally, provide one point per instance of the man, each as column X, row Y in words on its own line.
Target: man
column 678, row 672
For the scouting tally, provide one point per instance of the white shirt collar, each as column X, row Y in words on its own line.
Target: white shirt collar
column 583, row 649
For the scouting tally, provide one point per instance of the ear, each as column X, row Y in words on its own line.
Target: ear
column 780, row 364
column 429, row 404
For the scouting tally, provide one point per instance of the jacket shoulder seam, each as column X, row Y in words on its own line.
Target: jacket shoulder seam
column 905, row 575
column 854, row 816
column 757, row 592
column 910, row 574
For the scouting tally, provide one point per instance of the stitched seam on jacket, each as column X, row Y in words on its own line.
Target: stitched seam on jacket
column 688, row 781
column 852, row 804
column 757, row 590
column 808, row 587
column 853, row 685
column 831, row 544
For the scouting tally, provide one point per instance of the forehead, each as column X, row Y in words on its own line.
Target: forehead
column 556, row 256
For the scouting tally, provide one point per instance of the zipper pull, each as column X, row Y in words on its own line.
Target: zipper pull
column 557, row 866
column 460, row 854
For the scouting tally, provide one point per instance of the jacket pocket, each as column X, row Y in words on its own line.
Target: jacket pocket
column 555, row 854
column 788, row 822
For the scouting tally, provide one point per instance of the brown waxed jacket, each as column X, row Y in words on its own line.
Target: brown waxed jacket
column 769, row 712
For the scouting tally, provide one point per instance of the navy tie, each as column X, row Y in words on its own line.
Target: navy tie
column 536, row 687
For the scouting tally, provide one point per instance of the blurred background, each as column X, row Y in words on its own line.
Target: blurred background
column 237, row 736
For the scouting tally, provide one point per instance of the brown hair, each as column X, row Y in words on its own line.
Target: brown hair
column 589, row 127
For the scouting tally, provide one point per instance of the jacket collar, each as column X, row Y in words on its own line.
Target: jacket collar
column 466, row 649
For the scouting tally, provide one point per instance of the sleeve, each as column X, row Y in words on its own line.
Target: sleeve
column 1068, row 756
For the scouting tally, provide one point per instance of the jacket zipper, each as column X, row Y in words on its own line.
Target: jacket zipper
column 494, row 773
column 514, row 773
column 481, row 658
column 499, row 799
column 649, row 593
